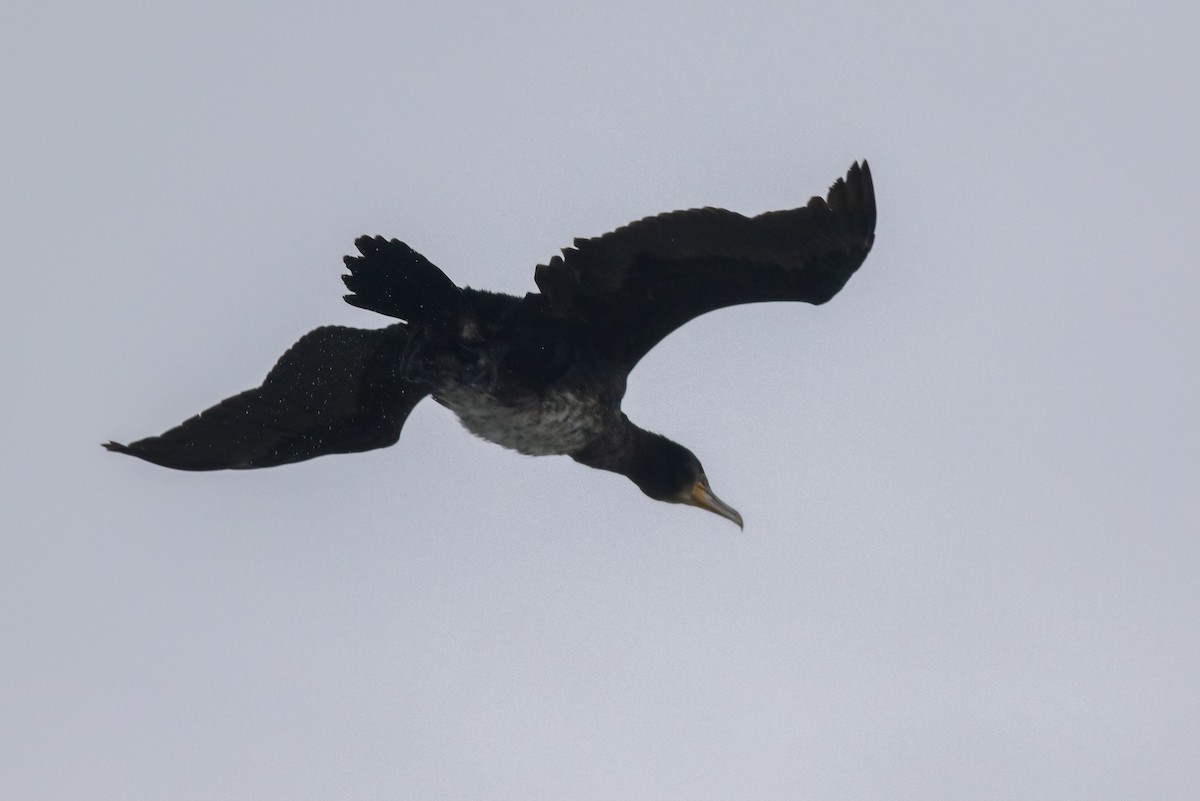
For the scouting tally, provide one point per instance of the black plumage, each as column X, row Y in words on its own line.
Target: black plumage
column 542, row 374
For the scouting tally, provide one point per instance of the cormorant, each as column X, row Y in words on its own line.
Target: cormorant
column 543, row 374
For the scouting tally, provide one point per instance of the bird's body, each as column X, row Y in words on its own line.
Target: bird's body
column 558, row 420
column 543, row 374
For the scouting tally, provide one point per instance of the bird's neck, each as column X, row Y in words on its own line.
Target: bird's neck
column 616, row 448
column 627, row 449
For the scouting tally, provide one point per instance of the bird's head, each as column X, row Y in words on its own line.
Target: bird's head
column 667, row 471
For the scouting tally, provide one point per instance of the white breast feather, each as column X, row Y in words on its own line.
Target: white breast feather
column 560, row 422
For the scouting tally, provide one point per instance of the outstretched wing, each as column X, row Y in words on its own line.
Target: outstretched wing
column 632, row 287
column 337, row 390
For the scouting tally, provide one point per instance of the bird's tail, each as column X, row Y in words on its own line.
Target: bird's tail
column 393, row 279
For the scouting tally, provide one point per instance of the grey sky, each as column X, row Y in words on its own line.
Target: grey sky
column 969, row 482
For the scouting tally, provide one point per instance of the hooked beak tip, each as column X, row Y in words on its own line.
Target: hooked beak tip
column 704, row 498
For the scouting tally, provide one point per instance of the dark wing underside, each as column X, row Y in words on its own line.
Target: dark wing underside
column 337, row 390
column 632, row 287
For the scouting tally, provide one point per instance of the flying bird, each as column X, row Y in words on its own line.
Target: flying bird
column 541, row 374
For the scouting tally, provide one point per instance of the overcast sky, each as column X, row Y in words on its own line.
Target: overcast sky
column 971, row 482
